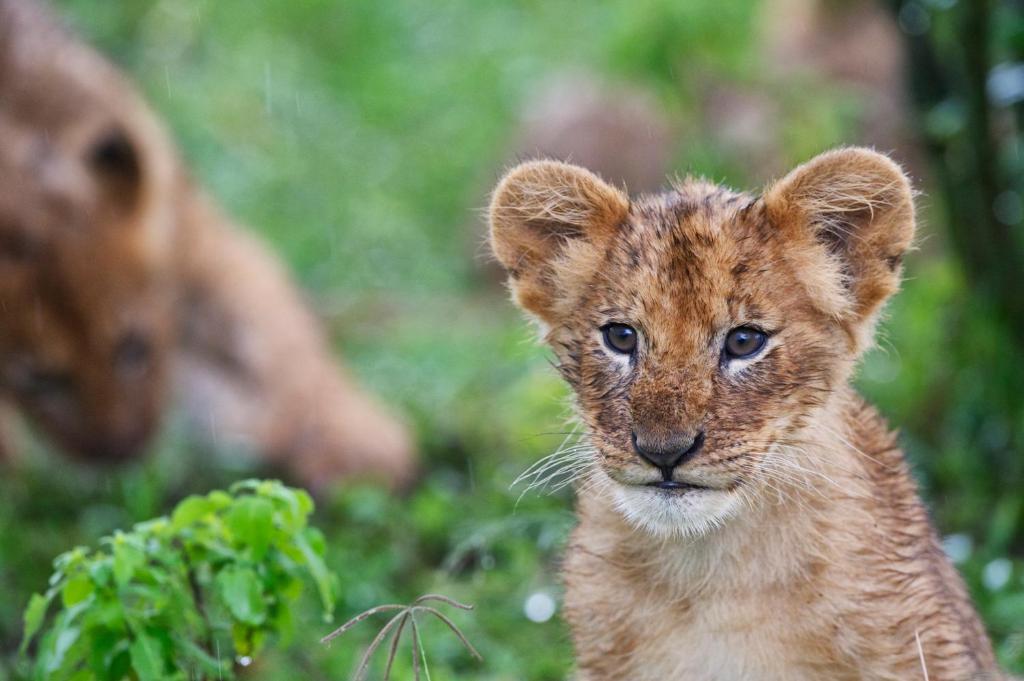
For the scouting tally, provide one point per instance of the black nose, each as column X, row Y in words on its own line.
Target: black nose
column 666, row 453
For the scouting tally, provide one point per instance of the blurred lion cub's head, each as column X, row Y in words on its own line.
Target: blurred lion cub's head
column 85, row 241
column 702, row 328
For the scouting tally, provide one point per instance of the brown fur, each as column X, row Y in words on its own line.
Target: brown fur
column 804, row 552
column 120, row 281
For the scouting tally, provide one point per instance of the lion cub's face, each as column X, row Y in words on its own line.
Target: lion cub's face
column 702, row 328
column 84, row 259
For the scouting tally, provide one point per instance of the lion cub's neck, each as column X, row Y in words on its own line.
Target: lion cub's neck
column 832, row 572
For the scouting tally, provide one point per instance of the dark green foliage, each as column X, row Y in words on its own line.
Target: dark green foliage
column 960, row 330
column 187, row 596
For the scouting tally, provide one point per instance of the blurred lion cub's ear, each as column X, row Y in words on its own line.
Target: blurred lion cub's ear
column 548, row 222
column 857, row 206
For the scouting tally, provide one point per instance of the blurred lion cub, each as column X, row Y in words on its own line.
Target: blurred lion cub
column 745, row 515
column 120, row 280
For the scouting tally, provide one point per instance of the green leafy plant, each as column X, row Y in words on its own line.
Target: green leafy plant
column 188, row 596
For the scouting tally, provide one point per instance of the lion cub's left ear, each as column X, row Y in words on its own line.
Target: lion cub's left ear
column 849, row 216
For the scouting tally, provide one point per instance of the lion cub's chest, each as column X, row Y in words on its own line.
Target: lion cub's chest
column 731, row 639
column 628, row 629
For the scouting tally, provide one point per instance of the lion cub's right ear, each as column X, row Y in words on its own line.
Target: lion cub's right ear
column 549, row 224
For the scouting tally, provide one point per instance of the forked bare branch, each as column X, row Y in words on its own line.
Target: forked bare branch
column 396, row 625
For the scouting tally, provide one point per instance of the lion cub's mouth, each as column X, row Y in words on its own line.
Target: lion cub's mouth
column 674, row 486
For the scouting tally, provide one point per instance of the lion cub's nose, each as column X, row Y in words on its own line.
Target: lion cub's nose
column 668, row 452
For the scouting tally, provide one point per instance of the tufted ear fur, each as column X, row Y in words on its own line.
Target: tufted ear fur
column 549, row 221
column 849, row 218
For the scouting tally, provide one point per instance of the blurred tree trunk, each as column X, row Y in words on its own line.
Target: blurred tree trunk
column 951, row 77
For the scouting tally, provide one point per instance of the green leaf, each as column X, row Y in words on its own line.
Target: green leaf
column 100, row 572
column 127, row 559
column 219, row 499
column 284, row 622
column 241, row 638
column 247, row 640
column 64, row 647
column 108, row 656
column 315, row 564
column 69, row 559
column 58, row 643
column 34, row 614
column 154, row 528
column 247, row 485
column 76, row 590
column 306, row 505
column 239, row 588
column 251, row 521
column 298, row 505
column 147, row 658
column 147, row 599
column 190, row 510
column 107, row 611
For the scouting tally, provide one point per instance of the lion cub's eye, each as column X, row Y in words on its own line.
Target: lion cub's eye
column 744, row 342
column 620, row 338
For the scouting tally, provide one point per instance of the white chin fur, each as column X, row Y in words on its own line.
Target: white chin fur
column 665, row 515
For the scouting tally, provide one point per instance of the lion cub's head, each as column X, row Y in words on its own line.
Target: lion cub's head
column 84, row 241
column 702, row 328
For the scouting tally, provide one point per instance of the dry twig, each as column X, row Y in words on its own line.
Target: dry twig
column 406, row 614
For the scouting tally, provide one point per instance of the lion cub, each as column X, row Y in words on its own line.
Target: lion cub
column 746, row 515
column 122, row 286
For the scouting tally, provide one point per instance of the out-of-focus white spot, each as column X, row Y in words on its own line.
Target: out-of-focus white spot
column 958, row 547
column 244, row 661
column 539, row 607
column 1006, row 83
column 996, row 574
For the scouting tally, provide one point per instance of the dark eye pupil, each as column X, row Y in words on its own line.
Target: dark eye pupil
column 620, row 338
column 744, row 342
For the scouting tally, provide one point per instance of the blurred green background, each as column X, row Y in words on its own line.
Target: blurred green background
column 360, row 138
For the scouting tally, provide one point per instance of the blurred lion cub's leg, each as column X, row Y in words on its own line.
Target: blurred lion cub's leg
column 256, row 370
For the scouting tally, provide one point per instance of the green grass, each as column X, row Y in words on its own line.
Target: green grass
column 360, row 139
